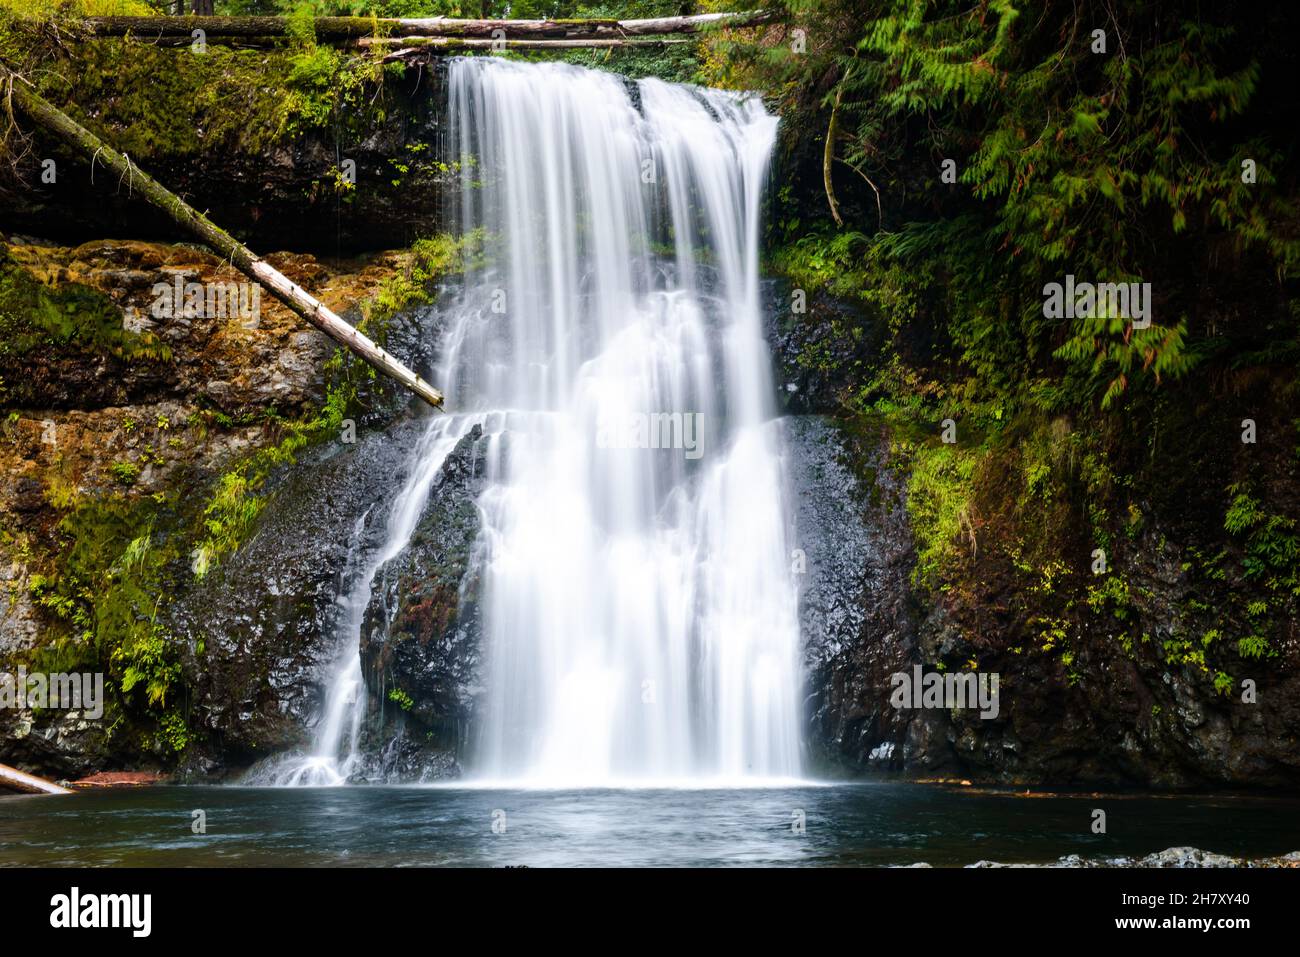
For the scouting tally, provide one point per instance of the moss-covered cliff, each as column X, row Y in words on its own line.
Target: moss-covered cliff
column 1104, row 515
column 1103, row 509
column 138, row 454
column 295, row 147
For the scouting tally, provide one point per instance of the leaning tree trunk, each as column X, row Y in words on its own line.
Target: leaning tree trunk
column 239, row 255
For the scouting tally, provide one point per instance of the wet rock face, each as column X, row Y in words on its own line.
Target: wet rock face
column 1114, row 715
column 820, row 354
column 260, row 630
column 405, row 754
column 122, row 431
column 855, row 609
column 61, row 745
column 420, row 637
column 1117, row 717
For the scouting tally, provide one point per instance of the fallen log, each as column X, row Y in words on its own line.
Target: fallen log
column 17, row 780
column 17, row 91
column 118, row 779
column 439, row 45
column 329, row 29
column 404, row 46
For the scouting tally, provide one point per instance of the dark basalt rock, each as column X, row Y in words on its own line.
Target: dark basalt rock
column 420, row 649
column 820, row 355
column 1115, row 715
column 259, row 630
column 1118, row 717
column 855, row 609
column 60, row 745
column 404, row 754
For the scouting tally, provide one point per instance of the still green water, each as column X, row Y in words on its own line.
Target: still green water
column 844, row 825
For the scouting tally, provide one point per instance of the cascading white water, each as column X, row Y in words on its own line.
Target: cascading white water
column 639, row 607
column 334, row 753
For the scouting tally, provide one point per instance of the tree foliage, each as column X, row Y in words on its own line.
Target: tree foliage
column 980, row 151
column 1115, row 156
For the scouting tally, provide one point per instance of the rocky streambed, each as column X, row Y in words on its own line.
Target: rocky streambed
column 1179, row 857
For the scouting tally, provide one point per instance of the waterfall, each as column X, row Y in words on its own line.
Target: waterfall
column 640, row 611
column 638, row 600
column 334, row 755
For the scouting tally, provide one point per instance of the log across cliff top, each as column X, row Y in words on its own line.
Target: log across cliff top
column 350, row 28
